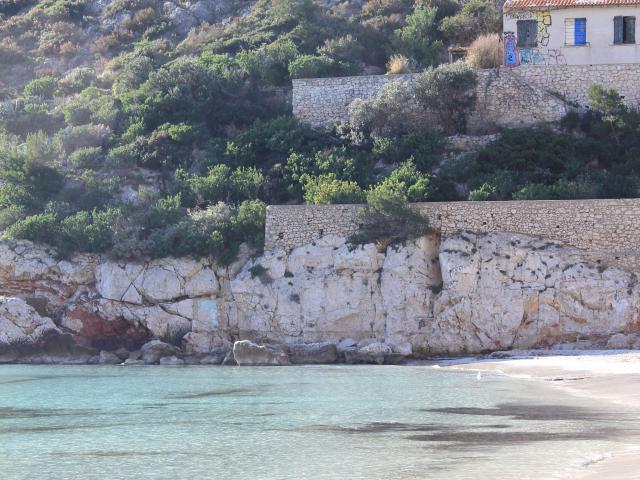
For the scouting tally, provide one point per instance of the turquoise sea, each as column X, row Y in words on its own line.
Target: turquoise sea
column 312, row 422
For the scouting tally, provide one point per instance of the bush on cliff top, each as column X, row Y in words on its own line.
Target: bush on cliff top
column 388, row 218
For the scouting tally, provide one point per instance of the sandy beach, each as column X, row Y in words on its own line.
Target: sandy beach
column 606, row 376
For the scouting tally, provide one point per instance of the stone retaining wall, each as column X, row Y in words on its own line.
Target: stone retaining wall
column 507, row 97
column 607, row 231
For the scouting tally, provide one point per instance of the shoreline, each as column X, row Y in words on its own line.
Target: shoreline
column 612, row 377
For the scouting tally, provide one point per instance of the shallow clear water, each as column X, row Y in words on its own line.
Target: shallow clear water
column 325, row 422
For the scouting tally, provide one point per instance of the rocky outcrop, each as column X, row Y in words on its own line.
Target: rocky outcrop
column 22, row 329
column 310, row 353
column 322, row 302
column 155, row 350
column 248, row 353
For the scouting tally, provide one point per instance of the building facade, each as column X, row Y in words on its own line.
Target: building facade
column 571, row 32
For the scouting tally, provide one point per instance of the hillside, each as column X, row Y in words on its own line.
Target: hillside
column 148, row 128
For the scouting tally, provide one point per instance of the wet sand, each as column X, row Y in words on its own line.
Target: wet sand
column 606, row 376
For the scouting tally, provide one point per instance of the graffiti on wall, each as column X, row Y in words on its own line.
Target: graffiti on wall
column 531, row 56
column 510, row 50
column 537, row 56
column 544, row 22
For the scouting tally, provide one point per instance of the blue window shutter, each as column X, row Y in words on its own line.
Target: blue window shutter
column 581, row 31
column 618, row 29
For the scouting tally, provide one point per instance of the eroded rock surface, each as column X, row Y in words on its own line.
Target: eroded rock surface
column 466, row 293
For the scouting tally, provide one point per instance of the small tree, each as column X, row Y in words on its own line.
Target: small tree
column 611, row 105
column 450, row 92
column 417, row 39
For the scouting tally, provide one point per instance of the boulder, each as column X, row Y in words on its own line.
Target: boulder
column 313, row 353
column 620, row 341
column 154, row 350
column 108, row 358
column 22, row 329
column 131, row 361
column 405, row 349
column 122, row 353
column 373, row 353
column 248, row 353
column 172, row 360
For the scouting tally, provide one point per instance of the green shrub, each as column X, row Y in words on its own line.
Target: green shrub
column 65, row 9
column 561, row 190
column 388, row 219
column 35, row 117
column 450, row 92
column 92, row 105
column 313, row 66
column 223, row 184
column 327, row 190
column 216, row 231
column 166, row 211
column 270, row 141
column 424, row 146
column 386, row 114
column 269, row 63
column 88, row 157
column 485, row 192
column 167, row 147
column 10, row 215
column 344, row 49
column 187, row 91
column 43, row 88
column 88, row 231
column 413, row 185
column 123, row 155
column 40, row 228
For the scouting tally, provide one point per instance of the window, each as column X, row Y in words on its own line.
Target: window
column 575, row 31
column 527, row 33
column 624, row 30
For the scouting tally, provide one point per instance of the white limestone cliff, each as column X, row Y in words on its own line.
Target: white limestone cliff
column 466, row 293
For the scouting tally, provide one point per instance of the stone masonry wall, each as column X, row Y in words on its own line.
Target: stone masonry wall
column 607, row 231
column 507, row 97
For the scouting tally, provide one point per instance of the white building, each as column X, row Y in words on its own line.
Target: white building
column 572, row 32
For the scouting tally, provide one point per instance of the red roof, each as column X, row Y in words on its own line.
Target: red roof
column 538, row 4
